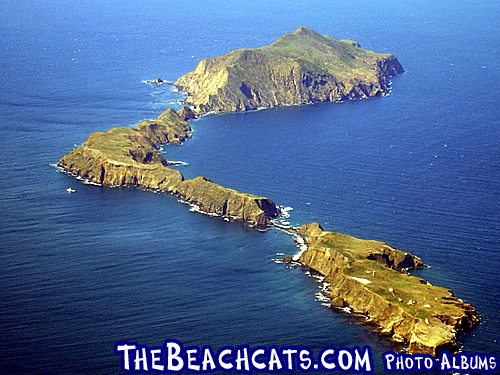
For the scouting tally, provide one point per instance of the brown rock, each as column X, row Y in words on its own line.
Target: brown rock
column 362, row 276
column 129, row 157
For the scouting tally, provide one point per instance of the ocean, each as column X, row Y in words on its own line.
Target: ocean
column 419, row 169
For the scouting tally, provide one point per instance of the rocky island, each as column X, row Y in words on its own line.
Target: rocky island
column 130, row 157
column 299, row 68
column 304, row 67
column 370, row 278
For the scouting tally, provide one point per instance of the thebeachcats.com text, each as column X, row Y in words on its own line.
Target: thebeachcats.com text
column 173, row 357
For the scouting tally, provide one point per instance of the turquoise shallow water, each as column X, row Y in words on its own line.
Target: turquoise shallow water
column 418, row 169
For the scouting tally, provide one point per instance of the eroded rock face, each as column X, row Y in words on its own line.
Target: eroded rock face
column 129, row 157
column 299, row 68
column 396, row 259
column 364, row 276
column 187, row 113
column 216, row 199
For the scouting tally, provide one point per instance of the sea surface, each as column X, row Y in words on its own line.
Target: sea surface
column 419, row 169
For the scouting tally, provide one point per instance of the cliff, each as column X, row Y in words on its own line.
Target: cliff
column 370, row 278
column 129, row 157
column 299, row 68
column 303, row 67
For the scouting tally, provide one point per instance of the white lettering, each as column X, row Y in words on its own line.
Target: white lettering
column 224, row 365
column 327, row 365
column 274, row 360
column 126, row 348
column 143, row 359
column 208, row 359
column 173, row 351
column 389, row 358
column 244, row 359
column 303, row 356
column 482, row 364
column 258, row 365
column 399, row 363
column 192, row 360
column 342, row 354
column 444, row 363
column 363, row 363
column 154, row 359
column 289, row 353
column 428, row 363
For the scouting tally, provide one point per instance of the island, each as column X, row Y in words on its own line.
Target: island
column 371, row 278
column 130, row 157
column 304, row 67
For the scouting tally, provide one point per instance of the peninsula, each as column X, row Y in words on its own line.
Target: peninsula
column 304, row 67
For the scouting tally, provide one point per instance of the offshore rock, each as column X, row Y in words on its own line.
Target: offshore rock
column 366, row 276
column 299, row 68
column 129, row 157
column 157, row 81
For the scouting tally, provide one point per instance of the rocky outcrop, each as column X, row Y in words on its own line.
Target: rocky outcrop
column 168, row 128
column 299, row 68
column 129, row 157
column 369, row 277
column 187, row 113
column 157, row 81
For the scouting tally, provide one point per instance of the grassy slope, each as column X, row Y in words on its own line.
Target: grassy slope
column 319, row 53
column 405, row 287
column 342, row 59
column 116, row 144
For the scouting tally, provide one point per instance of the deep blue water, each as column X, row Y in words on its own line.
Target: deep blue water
column 419, row 169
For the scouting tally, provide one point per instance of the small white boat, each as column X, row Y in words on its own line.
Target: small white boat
column 69, row 190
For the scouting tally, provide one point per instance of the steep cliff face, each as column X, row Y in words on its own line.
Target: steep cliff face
column 91, row 165
column 168, row 128
column 216, row 199
column 303, row 67
column 129, row 157
column 367, row 277
column 299, row 68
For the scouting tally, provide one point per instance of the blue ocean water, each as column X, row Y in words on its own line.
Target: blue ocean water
column 418, row 169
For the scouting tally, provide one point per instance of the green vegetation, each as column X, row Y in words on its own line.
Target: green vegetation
column 114, row 143
column 130, row 157
column 321, row 53
column 126, row 145
column 299, row 68
column 312, row 51
column 414, row 295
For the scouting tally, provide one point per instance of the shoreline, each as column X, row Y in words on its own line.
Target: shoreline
column 421, row 317
column 137, row 163
column 364, row 277
column 130, row 157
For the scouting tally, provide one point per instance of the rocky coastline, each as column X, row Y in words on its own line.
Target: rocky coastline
column 369, row 277
column 303, row 67
column 130, row 157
